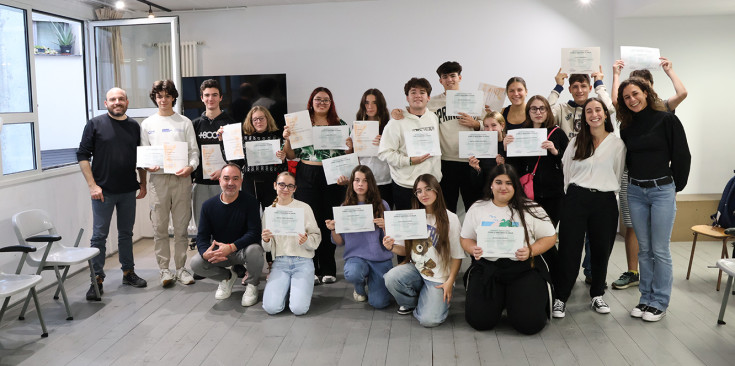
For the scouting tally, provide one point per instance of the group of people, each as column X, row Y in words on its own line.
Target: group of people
column 573, row 187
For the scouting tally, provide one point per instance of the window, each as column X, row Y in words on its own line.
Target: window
column 17, row 119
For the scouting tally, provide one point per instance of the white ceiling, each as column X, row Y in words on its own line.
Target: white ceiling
column 194, row 5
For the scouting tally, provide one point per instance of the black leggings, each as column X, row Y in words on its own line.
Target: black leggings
column 312, row 189
column 594, row 213
column 511, row 285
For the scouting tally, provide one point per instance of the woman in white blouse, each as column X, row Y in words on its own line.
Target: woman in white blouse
column 592, row 168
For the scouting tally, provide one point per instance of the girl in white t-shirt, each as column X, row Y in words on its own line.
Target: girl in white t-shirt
column 516, row 280
column 423, row 284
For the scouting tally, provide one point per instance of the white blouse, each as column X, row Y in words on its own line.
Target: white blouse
column 601, row 171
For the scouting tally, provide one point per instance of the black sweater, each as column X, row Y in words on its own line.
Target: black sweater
column 549, row 178
column 657, row 147
column 237, row 222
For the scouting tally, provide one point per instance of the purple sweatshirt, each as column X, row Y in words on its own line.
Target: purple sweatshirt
column 367, row 245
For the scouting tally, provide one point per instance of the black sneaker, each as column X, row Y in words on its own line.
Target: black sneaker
column 132, row 279
column 403, row 310
column 653, row 315
column 639, row 310
column 91, row 296
column 193, row 244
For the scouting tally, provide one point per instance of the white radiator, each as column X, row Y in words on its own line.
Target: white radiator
column 188, row 56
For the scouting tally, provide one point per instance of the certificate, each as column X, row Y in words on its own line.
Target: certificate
column 285, row 220
column 330, row 137
column 175, row 156
column 500, row 242
column 480, row 144
column 406, row 224
column 149, row 156
column 469, row 102
column 353, row 219
column 527, row 142
column 580, row 60
column 232, row 139
column 494, row 96
column 299, row 125
column 262, row 152
column 211, row 159
column 363, row 134
column 339, row 166
column 640, row 58
column 422, row 142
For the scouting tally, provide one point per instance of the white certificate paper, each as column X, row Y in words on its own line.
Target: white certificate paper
column 640, row 58
column 422, row 142
column 330, row 137
column 338, row 166
column 469, row 102
column 527, row 142
column 232, row 140
column 353, row 219
column 285, row 220
column 499, row 242
column 480, row 144
column 262, row 152
column 149, row 156
column 494, row 96
column 406, row 224
column 363, row 134
column 211, row 159
column 584, row 60
column 299, row 125
column 175, row 156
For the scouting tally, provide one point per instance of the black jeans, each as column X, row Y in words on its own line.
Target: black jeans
column 594, row 213
column 459, row 177
column 312, row 189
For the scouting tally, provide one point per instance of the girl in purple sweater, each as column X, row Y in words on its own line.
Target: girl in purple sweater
column 366, row 259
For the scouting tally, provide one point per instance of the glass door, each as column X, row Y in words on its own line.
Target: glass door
column 132, row 54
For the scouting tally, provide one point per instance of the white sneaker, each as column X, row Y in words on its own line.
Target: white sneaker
column 250, row 297
column 329, row 279
column 224, row 290
column 559, row 309
column 599, row 305
column 358, row 297
column 167, row 278
column 183, row 275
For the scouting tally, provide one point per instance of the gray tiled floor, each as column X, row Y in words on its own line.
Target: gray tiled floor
column 186, row 325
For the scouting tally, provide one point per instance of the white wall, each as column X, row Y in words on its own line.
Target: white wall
column 701, row 49
column 350, row 47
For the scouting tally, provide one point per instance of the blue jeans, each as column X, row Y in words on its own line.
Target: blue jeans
column 411, row 290
column 652, row 211
column 294, row 275
column 358, row 271
column 101, row 217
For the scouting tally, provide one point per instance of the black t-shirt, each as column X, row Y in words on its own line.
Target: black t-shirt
column 206, row 134
column 111, row 145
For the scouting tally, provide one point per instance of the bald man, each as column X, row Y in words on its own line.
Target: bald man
column 110, row 141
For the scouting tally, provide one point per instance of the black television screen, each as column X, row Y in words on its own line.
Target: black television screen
column 240, row 93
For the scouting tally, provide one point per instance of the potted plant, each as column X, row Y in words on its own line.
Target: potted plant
column 64, row 37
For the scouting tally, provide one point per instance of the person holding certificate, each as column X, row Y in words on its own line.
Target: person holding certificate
column 592, row 170
column 313, row 187
column 170, row 193
column 423, row 283
column 374, row 108
column 366, row 259
column 293, row 269
column 631, row 276
column 493, row 121
column 520, row 284
column 514, row 114
column 548, row 178
column 658, row 161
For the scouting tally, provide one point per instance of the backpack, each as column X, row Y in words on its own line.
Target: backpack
column 725, row 215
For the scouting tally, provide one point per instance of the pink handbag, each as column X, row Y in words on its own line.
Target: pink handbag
column 527, row 179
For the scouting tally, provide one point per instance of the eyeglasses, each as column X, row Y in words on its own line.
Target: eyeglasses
column 322, row 101
column 537, row 109
column 282, row 185
column 425, row 190
column 258, row 119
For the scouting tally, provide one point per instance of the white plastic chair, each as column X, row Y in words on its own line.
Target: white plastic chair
column 35, row 226
column 13, row 283
column 727, row 266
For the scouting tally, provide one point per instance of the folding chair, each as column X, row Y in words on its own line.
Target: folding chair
column 11, row 284
column 28, row 225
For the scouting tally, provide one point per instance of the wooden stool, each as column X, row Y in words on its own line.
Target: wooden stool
column 712, row 232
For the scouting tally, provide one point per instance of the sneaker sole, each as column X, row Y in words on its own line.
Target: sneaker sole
column 657, row 318
column 630, row 284
column 558, row 316
column 134, row 285
column 187, row 283
column 601, row 312
column 407, row 312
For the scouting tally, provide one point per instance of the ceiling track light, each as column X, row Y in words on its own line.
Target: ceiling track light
column 119, row 5
column 150, row 12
